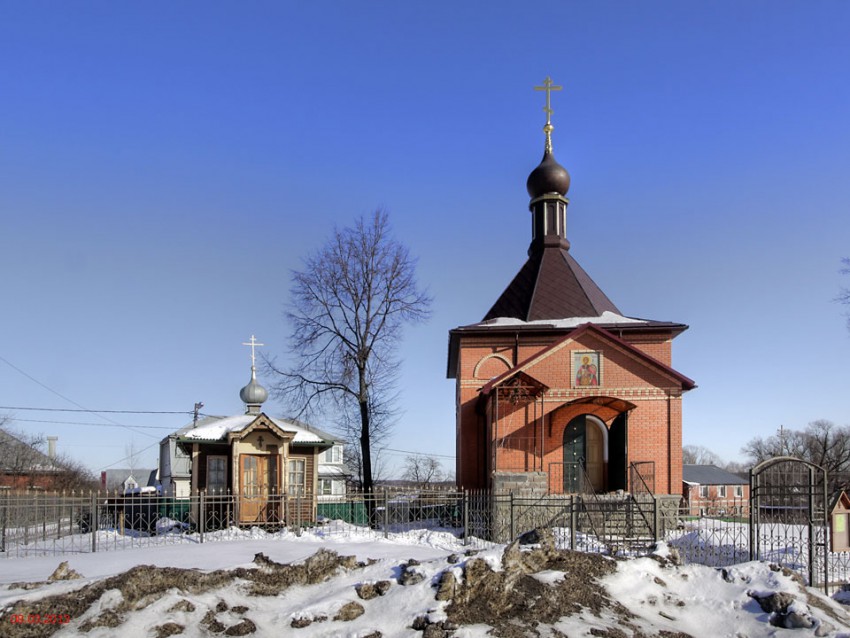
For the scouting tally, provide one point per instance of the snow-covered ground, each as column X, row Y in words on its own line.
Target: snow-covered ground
column 657, row 595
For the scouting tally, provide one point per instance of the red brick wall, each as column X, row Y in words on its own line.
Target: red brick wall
column 654, row 426
column 19, row 481
column 713, row 504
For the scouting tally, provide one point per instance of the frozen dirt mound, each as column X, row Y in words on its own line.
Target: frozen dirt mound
column 143, row 585
column 528, row 589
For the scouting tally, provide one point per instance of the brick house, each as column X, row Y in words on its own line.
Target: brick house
column 711, row 491
column 24, row 467
column 556, row 390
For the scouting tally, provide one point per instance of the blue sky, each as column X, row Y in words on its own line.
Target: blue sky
column 164, row 166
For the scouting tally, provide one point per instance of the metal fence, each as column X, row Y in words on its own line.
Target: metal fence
column 38, row 524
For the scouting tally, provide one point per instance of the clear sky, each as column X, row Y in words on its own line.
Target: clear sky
column 164, row 166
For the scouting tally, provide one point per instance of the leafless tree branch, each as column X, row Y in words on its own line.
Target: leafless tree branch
column 349, row 304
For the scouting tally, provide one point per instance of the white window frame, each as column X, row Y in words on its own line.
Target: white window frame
column 739, row 491
column 703, row 491
column 721, row 491
column 292, row 482
column 332, row 455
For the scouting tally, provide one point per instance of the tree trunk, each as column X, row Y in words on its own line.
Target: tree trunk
column 366, row 458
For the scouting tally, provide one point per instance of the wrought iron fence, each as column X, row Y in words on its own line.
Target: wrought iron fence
column 621, row 524
column 38, row 524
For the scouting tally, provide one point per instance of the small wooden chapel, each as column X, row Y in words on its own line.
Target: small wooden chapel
column 557, row 391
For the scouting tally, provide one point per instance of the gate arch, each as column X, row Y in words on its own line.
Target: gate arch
column 789, row 517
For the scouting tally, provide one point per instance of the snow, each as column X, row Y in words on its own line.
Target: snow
column 216, row 428
column 606, row 318
column 549, row 576
column 697, row 600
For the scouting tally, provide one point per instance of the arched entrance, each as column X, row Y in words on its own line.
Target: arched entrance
column 585, row 454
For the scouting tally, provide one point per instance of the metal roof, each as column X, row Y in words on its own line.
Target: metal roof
column 710, row 475
column 551, row 285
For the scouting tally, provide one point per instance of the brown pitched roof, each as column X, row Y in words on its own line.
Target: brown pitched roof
column 551, row 285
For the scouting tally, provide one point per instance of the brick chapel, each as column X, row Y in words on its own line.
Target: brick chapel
column 556, row 389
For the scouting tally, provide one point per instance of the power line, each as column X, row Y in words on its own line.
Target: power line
column 71, row 401
column 129, row 456
column 9, row 407
column 97, row 425
column 441, row 456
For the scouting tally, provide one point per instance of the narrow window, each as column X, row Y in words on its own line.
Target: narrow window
column 333, row 455
column 297, row 476
column 216, row 474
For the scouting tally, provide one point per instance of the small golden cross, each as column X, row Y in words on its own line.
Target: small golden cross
column 548, row 87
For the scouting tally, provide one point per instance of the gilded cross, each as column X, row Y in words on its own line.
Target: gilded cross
column 254, row 344
column 548, row 87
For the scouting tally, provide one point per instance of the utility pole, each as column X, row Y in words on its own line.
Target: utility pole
column 198, row 407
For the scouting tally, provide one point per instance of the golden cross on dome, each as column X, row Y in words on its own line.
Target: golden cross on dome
column 548, row 87
column 254, row 344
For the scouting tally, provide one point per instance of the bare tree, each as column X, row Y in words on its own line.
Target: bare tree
column 73, row 475
column 353, row 462
column 821, row 442
column 828, row 446
column 23, row 459
column 349, row 305
column 20, row 453
column 785, row 442
column 699, row 455
column 131, row 455
column 422, row 470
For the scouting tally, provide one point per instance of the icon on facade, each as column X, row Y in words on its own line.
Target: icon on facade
column 588, row 369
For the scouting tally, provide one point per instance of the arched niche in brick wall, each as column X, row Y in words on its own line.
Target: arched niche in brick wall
column 491, row 366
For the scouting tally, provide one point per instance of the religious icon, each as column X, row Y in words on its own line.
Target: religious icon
column 586, row 366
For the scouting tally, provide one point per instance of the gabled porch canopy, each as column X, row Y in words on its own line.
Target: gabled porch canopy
column 261, row 421
column 513, row 385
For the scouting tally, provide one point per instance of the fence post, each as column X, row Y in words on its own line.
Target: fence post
column 513, row 522
column 656, row 522
column 386, row 515
column 95, row 516
column 298, row 506
column 754, row 505
column 573, row 521
column 43, row 517
column 826, row 532
column 201, row 514
column 4, row 504
column 465, row 518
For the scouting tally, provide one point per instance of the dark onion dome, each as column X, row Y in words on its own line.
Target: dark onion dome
column 548, row 177
column 253, row 393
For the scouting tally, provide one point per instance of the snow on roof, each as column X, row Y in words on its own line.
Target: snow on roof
column 606, row 318
column 331, row 470
column 216, row 428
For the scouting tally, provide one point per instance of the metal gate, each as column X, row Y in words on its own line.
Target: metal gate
column 788, row 516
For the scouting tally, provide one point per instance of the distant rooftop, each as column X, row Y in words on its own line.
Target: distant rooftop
column 710, row 475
